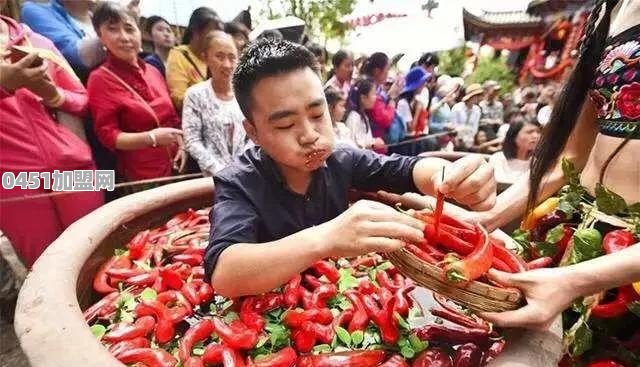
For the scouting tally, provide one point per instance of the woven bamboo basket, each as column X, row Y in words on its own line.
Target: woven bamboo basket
column 476, row 295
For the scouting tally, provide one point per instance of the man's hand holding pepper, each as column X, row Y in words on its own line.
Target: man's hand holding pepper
column 369, row 226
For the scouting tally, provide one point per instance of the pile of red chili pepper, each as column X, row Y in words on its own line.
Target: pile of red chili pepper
column 465, row 251
column 156, row 310
column 603, row 329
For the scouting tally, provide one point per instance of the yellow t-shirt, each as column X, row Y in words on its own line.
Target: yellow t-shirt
column 181, row 73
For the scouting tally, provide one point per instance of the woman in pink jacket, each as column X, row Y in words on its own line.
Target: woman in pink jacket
column 33, row 89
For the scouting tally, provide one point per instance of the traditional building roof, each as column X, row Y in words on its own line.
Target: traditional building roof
column 511, row 23
column 545, row 7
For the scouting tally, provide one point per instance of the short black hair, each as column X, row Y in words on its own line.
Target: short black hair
column 377, row 60
column 236, row 29
column 333, row 96
column 272, row 34
column 264, row 58
column 429, row 59
column 317, row 50
column 110, row 12
column 151, row 21
column 199, row 20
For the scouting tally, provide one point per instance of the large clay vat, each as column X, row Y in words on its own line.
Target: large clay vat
column 49, row 321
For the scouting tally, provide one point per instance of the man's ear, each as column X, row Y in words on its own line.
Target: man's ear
column 250, row 129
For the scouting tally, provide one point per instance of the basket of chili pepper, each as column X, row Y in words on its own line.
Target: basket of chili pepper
column 454, row 259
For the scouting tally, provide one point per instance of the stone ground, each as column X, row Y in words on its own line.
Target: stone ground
column 10, row 353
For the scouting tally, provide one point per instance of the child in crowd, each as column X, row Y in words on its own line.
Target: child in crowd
column 336, row 102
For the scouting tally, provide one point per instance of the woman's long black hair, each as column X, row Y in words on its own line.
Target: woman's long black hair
column 199, row 20
column 360, row 88
column 336, row 60
column 377, row 60
column 509, row 146
column 569, row 104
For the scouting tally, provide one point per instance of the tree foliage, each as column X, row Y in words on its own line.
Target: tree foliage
column 322, row 17
column 452, row 61
column 494, row 69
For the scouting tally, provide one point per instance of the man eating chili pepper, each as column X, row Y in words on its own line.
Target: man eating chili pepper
column 283, row 204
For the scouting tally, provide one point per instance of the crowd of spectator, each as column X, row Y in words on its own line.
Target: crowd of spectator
column 86, row 96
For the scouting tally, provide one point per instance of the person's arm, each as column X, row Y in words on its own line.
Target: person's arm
column 105, row 109
column 512, row 203
column 80, row 53
column 192, row 122
column 237, row 264
column 551, row 291
column 74, row 99
column 177, row 79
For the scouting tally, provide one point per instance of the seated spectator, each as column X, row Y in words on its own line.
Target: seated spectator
column 130, row 102
column 382, row 114
column 361, row 99
column 465, row 116
column 185, row 64
column 67, row 23
column 492, row 109
column 32, row 140
column 240, row 34
column 211, row 117
column 163, row 40
column 483, row 145
column 341, row 75
column 336, row 102
column 440, row 113
column 409, row 108
column 520, row 142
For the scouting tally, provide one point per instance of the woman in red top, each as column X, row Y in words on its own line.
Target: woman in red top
column 31, row 140
column 130, row 102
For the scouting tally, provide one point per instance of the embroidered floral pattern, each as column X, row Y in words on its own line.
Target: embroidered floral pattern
column 615, row 91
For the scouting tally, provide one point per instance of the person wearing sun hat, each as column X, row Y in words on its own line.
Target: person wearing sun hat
column 465, row 115
column 409, row 108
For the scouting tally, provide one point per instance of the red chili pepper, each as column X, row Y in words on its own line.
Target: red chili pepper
column 212, row 354
column 231, row 358
column 171, row 279
column 500, row 265
column 564, row 242
column 304, row 340
column 323, row 294
column 360, row 319
column 460, row 319
column 193, row 362
column 100, row 281
column 385, row 281
column 144, row 280
column 494, row 350
column 249, row 316
column 205, row 291
column 307, row 299
column 617, row 240
column 366, row 287
column 165, row 329
column 474, row 265
column 237, row 338
column 191, row 259
column 328, row 270
column 181, row 307
column 467, row 355
column 158, row 252
column 437, row 213
column 117, row 348
column 384, row 295
column 150, row 357
column 421, row 254
column 384, row 318
column 452, row 334
column 448, row 240
column 124, row 331
column 190, row 292
column 605, row 363
column 513, row 261
column 286, row 357
column 617, row 307
column 197, row 272
column 366, row 261
column 108, row 301
column 291, row 292
column 312, row 281
column 268, row 302
column 179, row 219
column 196, row 334
column 396, row 360
column 539, row 263
column 295, row 318
column 361, row 358
column 432, row 357
column 137, row 244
